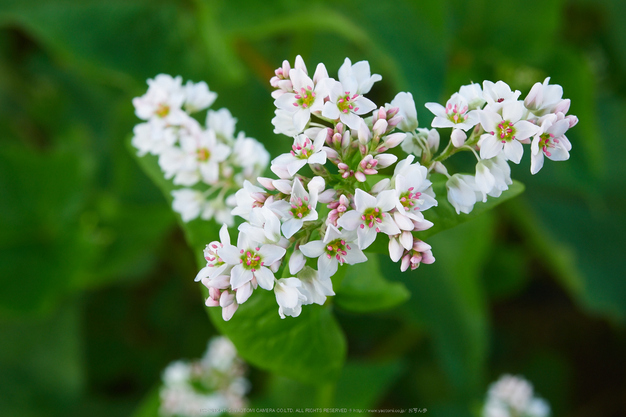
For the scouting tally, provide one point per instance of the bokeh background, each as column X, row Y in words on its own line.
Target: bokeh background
column 96, row 280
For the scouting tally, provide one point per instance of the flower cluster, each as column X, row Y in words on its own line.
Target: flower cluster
column 205, row 387
column 343, row 184
column 209, row 162
column 500, row 124
column 330, row 200
column 345, row 180
column 512, row 396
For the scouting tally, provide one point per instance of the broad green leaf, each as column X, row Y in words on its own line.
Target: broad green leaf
column 364, row 288
column 310, row 348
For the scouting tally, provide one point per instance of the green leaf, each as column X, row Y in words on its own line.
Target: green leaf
column 364, row 288
column 310, row 348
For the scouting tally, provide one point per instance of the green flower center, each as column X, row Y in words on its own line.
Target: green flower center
column 251, row 259
column 305, row 98
column 372, row 217
column 300, row 208
column 337, row 249
column 505, row 131
column 407, row 199
column 346, row 103
column 163, row 110
column 456, row 115
column 204, row 154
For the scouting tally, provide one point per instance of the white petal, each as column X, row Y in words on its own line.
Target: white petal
column 271, row 253
column 313, row 249
column 291, row 226
column 239, row 276
column 367, row 236
column 243, row 293
column 230, row 254
column 265, row 278
column 363, row 200
column 490, row 146
column 350, row 219
column 513, row 151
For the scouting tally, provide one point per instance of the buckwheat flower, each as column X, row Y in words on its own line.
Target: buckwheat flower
column 337, row 248
column 456, row 114
column 307, row 97
column 473, row 93
column 296, row 261
column 420, row 253
column 371, row 216
column 406, row 109
column 505, row 133
column 248, row 197
column 544, row 98
column 264, row 225
column 198, row 96
column 251, row 155
column 358, row 74
column 303, row 151
column 202, row 156
column 497, row 94
column 164, row 99
column 398, row 243
column 416, row 142
column 345, row 103
column 289, row 297
column 513, row 396
column 315, row 287
column 215, row 265
column 493, row 176
column 462, row 192
column 250, row 261
column 222, row 123
column 283, row 123
column 414, row 193
column 550, row 141
column 153, row 137
column 299, row 209
column 188, row 203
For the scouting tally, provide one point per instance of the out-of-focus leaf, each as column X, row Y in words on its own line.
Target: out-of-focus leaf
column 149, row 407
column 43, row 245
column 41, row 364
column 447, row 298
column 364, row 288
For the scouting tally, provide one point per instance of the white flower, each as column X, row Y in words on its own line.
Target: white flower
column 462, row 192
column 505, row 132
column 358, row 74
column 493, row 176
column 222, row 123
column 198, row 96
column 497, row 94
column 250, row 261
column 550, row 141
column 512, row 396
column 188, row 203
column 473, row 94
column 299, row 209
column 215, row 265
column 345, row 103
column 264, row 225
column 544, row 98
column 307, row 97
column 336, row 249
column 303, row 151
column 456, row 113
column 406, row 105
column 200, row 159
column 413, row 192
column 251, row 155
column 154, row 137
column 289, row 297
column 315, row 287
column 416, row 143
column 283, row 123
column 164, row 99
column 371, row 216
column 248, row 197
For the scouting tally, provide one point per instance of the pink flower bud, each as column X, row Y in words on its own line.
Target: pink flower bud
column 266, row 183
column 394, row 139
column 380, row 127
column 563, row 106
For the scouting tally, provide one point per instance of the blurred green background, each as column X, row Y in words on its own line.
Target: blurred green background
column 96, row 280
